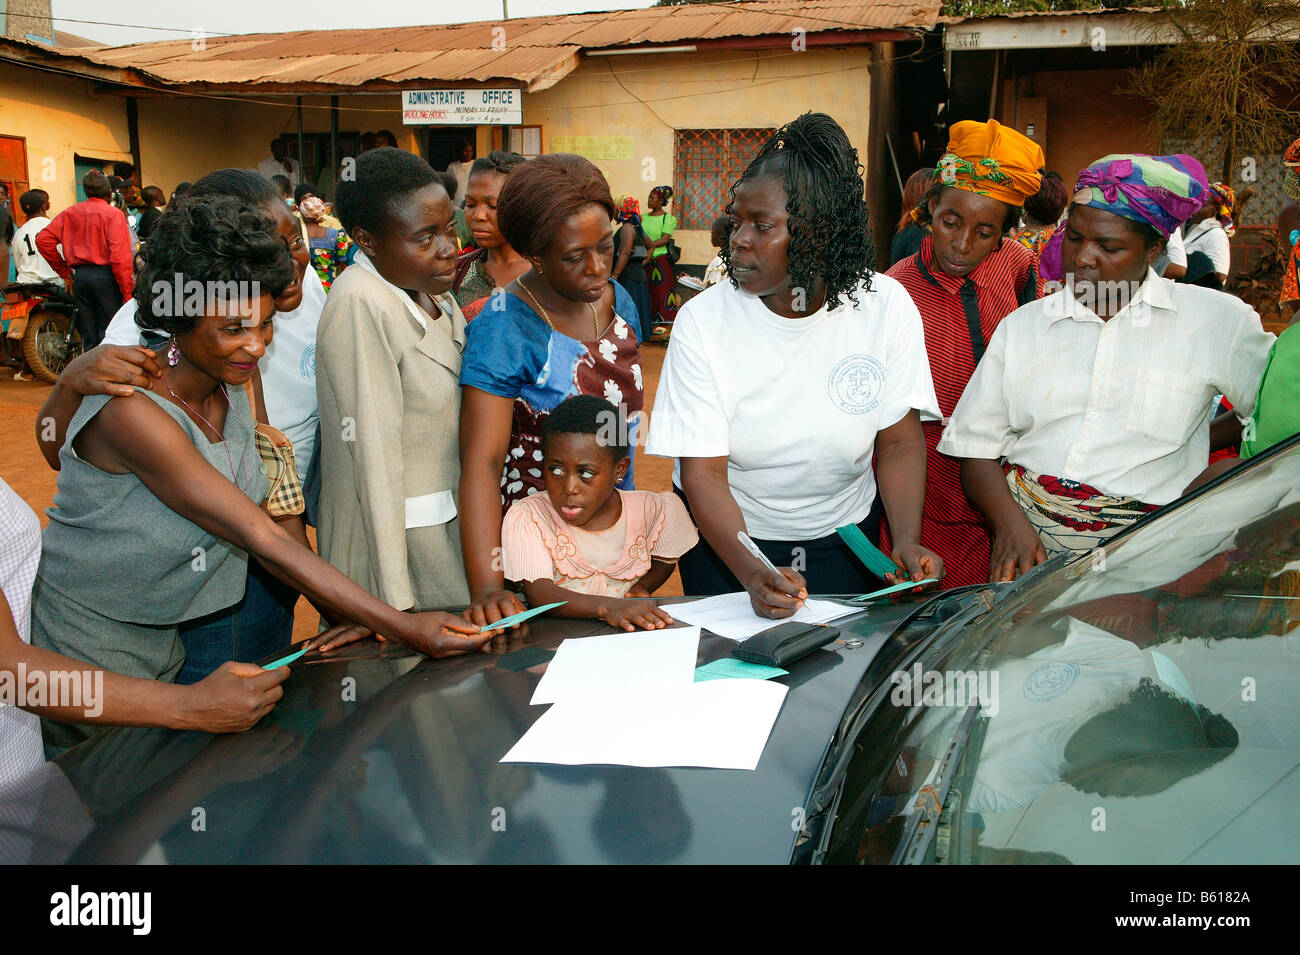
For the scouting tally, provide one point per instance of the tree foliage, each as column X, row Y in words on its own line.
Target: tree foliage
column 1231, row 80
column 993, row 8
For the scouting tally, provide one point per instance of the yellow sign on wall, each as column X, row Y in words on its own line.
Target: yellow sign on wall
column 594, row 147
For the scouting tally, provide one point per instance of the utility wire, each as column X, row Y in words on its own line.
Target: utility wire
column 110, row 23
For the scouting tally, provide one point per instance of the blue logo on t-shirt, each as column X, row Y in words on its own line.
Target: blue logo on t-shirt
column 856, row 384
column 307, row 364
column 1049, row 681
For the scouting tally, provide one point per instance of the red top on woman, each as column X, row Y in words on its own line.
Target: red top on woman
column 954, row 311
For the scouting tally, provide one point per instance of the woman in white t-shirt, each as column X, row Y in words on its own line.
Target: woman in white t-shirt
column 781, row 384
column 1172, row 262
column 461, row 169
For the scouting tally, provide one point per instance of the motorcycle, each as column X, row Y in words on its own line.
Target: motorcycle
column 44, row 318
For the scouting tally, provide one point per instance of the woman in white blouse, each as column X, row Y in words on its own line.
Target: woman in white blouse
column 1090, row 408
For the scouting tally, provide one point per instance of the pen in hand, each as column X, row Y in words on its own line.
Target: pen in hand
column 750, row 546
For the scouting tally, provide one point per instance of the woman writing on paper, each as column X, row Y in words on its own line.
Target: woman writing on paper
column 781, row 384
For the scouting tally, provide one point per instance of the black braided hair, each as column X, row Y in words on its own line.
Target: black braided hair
column 830, row 237
column 498, row 161
column 384, row 180
column 1169, row 735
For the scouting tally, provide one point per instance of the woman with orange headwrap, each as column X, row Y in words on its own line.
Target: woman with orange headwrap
column 967, row 277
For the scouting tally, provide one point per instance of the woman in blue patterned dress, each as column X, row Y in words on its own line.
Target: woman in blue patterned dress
column 562, row 328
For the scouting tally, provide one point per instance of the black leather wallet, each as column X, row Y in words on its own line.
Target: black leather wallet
column 782, row 645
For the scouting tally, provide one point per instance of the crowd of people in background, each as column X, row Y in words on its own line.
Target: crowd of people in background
column 453, row 360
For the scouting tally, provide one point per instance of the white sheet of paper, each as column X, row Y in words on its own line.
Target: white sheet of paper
column 618, row 663
column 731, row 616
column 720, row 724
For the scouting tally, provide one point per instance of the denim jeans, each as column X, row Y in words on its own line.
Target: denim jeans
column 252, row 629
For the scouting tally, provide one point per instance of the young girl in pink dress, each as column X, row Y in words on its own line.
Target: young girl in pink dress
column 584, row 541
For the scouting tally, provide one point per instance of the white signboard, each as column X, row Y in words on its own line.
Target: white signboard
column 461, row 107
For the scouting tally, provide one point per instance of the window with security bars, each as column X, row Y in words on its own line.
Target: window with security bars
column 707, row 162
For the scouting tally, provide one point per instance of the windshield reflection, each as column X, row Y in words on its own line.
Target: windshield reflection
column 1146, row 707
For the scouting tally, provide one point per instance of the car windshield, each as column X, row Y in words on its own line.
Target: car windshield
column 1141, row 703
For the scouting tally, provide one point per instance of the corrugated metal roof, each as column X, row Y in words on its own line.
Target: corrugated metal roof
column 72, row 40
column 539, row 50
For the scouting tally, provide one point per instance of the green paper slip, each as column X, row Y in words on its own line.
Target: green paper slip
column 894, row 589
column 729, row 668
column 867, row 552
column 285, row 661
column 521, row 617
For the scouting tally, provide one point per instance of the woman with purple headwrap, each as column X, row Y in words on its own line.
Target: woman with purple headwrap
column 1090, row 407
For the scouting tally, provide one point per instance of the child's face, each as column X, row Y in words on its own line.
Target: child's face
column 580, row 477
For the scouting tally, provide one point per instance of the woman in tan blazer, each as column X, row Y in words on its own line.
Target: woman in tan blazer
column 388, row 357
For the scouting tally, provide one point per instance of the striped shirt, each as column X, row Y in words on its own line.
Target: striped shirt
column 951, row 308
column 1002, row 283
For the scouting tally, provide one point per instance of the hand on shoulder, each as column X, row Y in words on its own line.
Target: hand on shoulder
column 112, row 370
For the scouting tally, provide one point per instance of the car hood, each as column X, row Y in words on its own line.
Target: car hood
column 379, row 755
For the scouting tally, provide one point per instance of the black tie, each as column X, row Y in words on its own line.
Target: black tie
column 970, row 304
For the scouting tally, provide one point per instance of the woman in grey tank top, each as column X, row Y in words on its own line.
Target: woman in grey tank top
column 262, row 621
column 157, row 509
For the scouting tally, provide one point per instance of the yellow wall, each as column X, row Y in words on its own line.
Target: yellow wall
column 698, row 91
column 884, row 202
column 181, row 137
column 60, row 116
column 184, row 137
